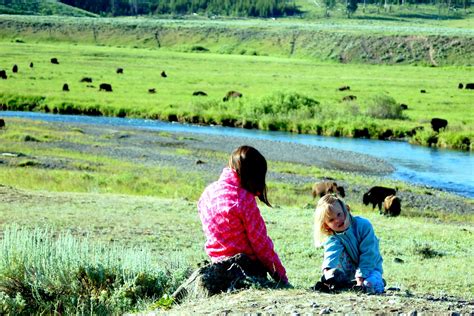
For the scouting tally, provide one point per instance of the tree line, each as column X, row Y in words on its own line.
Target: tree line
column 238, row 8
column 250, row 8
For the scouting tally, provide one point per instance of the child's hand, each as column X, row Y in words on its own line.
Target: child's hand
column 360, row 281
column 329, row 273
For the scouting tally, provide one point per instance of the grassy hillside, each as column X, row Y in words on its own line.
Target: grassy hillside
column 43, row 7
column 346, row 41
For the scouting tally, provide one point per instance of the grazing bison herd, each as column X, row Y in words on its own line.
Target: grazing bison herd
column 377, row 195
column 437, row 124
column 107, row 87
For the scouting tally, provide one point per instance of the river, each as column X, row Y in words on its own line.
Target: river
column 444, row 169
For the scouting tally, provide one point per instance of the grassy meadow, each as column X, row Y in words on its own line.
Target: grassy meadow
column 434, row 253
column 88, row 233
column 297, row 95
column 100, row 207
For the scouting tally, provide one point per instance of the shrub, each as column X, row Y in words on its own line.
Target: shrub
column 462, row 141
column 21, row 102
column 283, row 104
column 198, row 48
column 384, row 107
column 425, row 138
column 426, row 251
column 42, row 274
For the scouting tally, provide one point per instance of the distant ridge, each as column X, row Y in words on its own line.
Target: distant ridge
column 343, row 44
column 43, row 7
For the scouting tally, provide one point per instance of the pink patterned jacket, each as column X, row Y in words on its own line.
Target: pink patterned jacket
column 233, row 224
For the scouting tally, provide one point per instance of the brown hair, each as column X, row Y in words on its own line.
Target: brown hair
column 251, row 167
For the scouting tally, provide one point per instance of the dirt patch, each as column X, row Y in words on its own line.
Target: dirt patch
column 301, row 302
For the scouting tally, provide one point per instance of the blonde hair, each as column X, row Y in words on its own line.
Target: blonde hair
column 327, row 204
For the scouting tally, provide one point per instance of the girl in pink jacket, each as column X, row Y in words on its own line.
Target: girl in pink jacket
column 231, row 219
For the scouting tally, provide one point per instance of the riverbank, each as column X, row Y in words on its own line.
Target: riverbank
column 294, row 166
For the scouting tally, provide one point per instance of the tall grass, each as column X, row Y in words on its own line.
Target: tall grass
column 42, row 272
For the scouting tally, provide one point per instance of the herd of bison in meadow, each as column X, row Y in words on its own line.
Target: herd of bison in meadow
column 377, row 195
column 436, row 123
column 107, row 87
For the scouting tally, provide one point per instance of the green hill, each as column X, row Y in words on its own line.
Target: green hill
column 42, row 7
column 345, row 41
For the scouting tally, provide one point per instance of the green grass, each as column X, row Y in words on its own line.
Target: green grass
column 129, row 206
column 93, row 200
column 269, row 102
column 172, row 226
column 42, row 271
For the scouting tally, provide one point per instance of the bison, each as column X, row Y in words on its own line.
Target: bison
column 324, row 187
column 163, row 74
column 2, row 123
column 414, row 130
column 392, row 205
column 469, row 86
column 105, row 87
column 152, row 90
column 403, row 106
column 54, row 61
column 86, row 79
column 3, row 74
column 349, row 98
column 344, row 88
column 231, row 94
column 120, row 70
column 199, row 93
column 438, row 123
column 15, row 68
column 65, row 87
column 460, row 86
column 422, row 91
column 31, row 64
column 376, row 195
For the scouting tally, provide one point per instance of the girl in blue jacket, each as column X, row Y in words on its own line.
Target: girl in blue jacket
column 351, row 249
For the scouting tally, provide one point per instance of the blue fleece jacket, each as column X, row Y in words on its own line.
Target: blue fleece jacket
column 361, row 244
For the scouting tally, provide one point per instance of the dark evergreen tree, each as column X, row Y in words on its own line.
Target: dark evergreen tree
column 256, row 8
column 351, row 7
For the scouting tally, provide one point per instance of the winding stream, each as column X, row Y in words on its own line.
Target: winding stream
column 448, row 170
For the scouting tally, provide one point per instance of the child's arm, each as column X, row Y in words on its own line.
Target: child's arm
column 261, row 242
column 333, row 249
column 369, row 252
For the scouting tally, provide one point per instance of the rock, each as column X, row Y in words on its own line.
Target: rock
column 413, row 313
column 325, row 311
column 398, row 260
column 393, row 288
column 13, row 155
